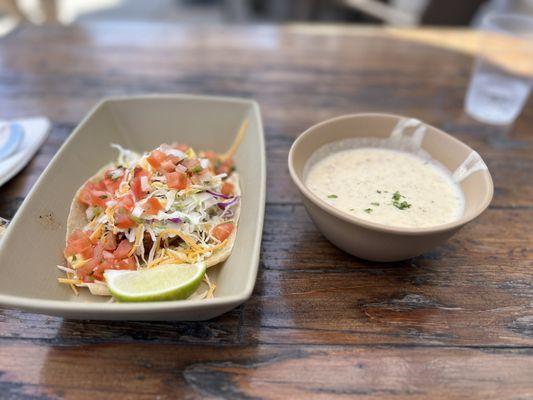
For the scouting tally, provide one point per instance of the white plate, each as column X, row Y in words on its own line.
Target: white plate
column 35, row 132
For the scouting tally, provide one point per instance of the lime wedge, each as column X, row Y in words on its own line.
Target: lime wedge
column 164, row 282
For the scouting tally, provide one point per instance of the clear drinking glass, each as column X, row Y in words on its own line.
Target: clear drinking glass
column 503, row 72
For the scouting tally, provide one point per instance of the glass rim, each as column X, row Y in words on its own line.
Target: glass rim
column 490, row 22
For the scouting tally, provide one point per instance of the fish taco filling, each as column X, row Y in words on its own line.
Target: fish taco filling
column 168, row 206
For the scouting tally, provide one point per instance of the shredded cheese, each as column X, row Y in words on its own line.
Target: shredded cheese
column 109, row 213
column 80, row 263
column 195, row 253
column 240, row 135
column 74, row 289
column 97, row 233
column 183, row 236
column 212, row 287
column 146, row 165
column 91, row 224
column 69, row 281
column 138, row 238
column 157, row 261
column 179, row 255
column 124, row 187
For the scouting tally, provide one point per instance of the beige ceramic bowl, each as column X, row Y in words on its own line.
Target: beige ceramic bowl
column 375, row 241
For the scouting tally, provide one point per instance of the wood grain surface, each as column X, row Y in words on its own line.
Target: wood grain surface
column 454, row 323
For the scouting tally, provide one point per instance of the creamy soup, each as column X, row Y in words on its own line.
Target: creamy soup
column 387, row 186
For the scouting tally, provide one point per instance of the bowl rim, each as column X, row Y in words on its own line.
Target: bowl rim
column 334, row 212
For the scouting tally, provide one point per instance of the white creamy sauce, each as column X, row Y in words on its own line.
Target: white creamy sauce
column 386, row 186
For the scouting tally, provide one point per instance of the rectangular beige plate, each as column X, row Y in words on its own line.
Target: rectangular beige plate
column 34, row 242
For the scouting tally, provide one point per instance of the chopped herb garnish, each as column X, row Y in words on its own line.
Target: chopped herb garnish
column 378, row 191
column 74, row 258
column 396, row 196
column 332, row 196
column 368, row 210
column 104, row 196
column 196, row 169
column 375, row 203
column 401, row 205
column 351, row 209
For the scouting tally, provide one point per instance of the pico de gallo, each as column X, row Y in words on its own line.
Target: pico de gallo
column 169, row 205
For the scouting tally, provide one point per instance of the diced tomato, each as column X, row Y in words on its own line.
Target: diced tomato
column 126, row 263
column 126, row 203
column 77, row 235
column 100, row 185
column 136, row 185
column 124, row 221
column 98, row 271
column 69, row 250
column 87, row 252
column 136, row 188
column 225, row 167
column 181, row 168
column 138, row 172
column 108, row 255
column 152, row 206
column 100, row 198
column 227, row 189
column 181, row 147
column 174, row 159
column 192, row 165
column 91, row 191
column 155, row 158
column 86, row 270
column 204, row 176
column 98, row 252
column 85, row 195
column 190, row 162
column 109, row 242
column 123, row 249
column 167, row 166
column 222, row 231
column 177, row 180
column 111, row 184
column 95, row 269
column 79, row 243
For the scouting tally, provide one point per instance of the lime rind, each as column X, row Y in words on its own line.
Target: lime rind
column 161, row 283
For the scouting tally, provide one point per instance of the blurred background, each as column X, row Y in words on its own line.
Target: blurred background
column 388, row 12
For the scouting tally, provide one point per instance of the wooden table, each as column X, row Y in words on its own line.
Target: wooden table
column 456, row 322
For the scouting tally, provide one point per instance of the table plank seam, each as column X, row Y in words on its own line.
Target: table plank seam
column 68, row 343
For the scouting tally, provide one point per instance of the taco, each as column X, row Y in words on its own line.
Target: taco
column 167, row 206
